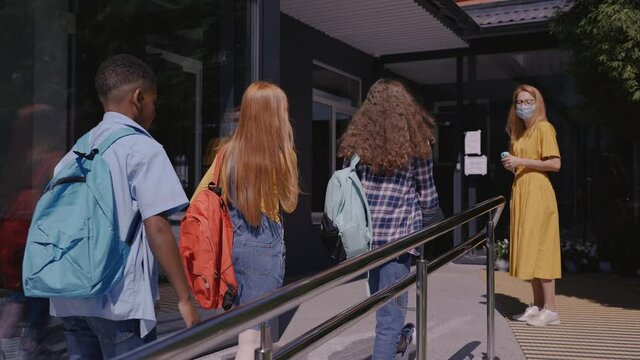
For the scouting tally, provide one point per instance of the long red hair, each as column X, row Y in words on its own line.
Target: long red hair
column 265, row 166
column 515, row 126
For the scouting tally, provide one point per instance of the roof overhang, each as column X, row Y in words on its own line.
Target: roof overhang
column 383, row 27
column 403, row 34
column 514, row 17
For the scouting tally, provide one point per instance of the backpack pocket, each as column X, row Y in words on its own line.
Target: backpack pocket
column 354, row 239
column 202, row 283
column 54, row 252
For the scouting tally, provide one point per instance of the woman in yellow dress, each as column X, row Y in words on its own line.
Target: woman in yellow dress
column 535, row 232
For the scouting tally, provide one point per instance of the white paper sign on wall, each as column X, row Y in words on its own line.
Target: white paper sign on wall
column 472, row 141
column 475, row 165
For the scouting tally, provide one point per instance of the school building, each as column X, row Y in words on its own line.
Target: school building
column 462, row 59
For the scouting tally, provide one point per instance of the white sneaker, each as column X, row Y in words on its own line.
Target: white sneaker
column 527, row 314
column 545, row 317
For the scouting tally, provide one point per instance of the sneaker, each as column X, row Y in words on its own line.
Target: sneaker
column 545, row 317
column 406, row 335
column 527, row 314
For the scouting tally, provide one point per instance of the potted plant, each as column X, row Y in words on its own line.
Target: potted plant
column 501, row 248
column 579, row 256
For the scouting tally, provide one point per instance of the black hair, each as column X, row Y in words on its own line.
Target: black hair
column 123, row 69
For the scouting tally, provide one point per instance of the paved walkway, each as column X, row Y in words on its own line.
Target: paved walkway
column 600, row 319
column 600, row 316
column 456, row 327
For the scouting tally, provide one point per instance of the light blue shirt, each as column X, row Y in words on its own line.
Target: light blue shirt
column 143, row 179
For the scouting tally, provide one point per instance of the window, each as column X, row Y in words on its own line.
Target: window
column 335, row 99
column 198, row 50
column 199, row 53
column 335, row 82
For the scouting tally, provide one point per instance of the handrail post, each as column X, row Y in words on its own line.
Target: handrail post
column 421, row 303
column 491, row 288
column 265, row 351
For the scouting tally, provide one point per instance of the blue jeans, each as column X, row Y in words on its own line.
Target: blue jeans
column 390, row 317
column 97, row 338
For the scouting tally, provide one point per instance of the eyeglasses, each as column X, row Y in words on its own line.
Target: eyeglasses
column 526, row 102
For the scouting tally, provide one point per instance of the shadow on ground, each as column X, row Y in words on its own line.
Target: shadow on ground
column 355, row 350
column 606, row 289
column 507, row 305
column 465, row 352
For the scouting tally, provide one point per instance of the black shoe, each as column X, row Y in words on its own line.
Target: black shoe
column 406, row 335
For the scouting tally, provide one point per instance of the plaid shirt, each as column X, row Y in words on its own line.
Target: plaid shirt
column 401, row 202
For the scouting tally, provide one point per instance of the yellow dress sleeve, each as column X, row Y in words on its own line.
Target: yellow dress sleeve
column 289, row 210
column 206, row 179
column 548, row 143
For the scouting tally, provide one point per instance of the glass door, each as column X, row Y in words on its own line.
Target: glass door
column 330, row 118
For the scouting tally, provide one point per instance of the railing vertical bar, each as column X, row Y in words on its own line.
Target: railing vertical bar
column 421, row 302
column 265, row 350
column 491, row 288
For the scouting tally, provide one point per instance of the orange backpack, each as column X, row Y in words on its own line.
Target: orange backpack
column 206, row 246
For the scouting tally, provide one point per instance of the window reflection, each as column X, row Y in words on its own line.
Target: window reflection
column 321, row 128
column 198, row 50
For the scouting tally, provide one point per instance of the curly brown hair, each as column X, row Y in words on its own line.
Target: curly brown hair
column 389, row 130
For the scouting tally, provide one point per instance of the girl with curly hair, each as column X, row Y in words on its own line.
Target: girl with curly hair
column 392, row 135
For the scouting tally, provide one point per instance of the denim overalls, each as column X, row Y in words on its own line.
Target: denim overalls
column 258, row 255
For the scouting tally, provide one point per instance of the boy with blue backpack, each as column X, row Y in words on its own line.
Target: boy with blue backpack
column 102, row 223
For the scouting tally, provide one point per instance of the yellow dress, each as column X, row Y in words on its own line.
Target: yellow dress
column 535, row 231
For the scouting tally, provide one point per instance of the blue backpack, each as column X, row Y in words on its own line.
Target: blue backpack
column 74, row 247
column 346, row 223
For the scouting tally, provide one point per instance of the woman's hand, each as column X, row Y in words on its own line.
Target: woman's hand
column 548, row 164
column 510, row 162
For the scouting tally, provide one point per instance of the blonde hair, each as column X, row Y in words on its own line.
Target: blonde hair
column 389, row 130
column 265, row 167
column 515, row 126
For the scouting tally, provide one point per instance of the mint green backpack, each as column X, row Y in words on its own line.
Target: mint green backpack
column 346, row 224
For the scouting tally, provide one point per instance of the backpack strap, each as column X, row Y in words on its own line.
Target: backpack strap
column 106, row 144
column 83, row 147
column 218, row 167
column 354, row 177
column 214, row 185
column 133, row 228
column 354, row 161
column 117, row 135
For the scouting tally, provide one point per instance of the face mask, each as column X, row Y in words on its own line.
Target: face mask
column 525, row 112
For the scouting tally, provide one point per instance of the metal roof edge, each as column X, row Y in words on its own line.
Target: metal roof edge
column 522, row 27
column 511, row 29
column 451, row 16
column 503, row 4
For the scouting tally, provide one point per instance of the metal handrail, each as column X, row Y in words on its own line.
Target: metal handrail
column 303, row 344
column 200, row 339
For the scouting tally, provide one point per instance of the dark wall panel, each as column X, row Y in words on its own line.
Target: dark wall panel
column 300, row 45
